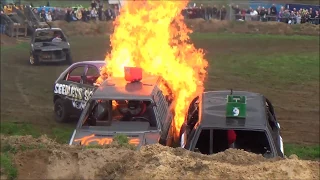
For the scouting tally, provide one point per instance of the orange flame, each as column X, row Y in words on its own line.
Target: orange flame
column 152, row 35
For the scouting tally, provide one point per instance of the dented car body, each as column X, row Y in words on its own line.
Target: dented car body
column 73, row 89
column 151, row 125
column 46, row 49
column 249, row 117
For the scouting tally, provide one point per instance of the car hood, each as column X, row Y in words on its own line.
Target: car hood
column 50, row 46
column 89, row 137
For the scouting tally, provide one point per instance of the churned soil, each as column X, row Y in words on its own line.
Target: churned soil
column 54, row 161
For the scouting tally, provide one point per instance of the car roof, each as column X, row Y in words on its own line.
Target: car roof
column 213, row 110
column 94, row 62
column 46, row 29
column 119, row 88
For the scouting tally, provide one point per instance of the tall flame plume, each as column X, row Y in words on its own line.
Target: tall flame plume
column 152, row 35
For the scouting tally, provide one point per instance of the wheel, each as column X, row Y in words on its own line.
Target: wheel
column 60, row 111
column 69, row 59
column 33, row 60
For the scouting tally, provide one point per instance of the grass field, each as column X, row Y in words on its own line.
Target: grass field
column 284, row 68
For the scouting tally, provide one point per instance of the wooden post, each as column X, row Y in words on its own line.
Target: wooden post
column 25, row 30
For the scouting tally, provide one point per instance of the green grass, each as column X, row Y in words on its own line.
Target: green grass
column 240, row 36
column 18, row 47
column 19, row 129
column 280, row 68
column 303, row 152
column 62, row 134
column 6, row 163
column 59, row 134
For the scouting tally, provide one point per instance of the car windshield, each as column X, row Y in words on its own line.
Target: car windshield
column 49, row 36
column 248, row 140
column 119, row 115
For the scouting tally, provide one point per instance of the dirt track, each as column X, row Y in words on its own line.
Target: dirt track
column 27, row 90
column 53, row 161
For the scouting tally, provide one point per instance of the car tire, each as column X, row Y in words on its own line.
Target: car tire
column 33, row 60
column 60, row 111
column 69, row 59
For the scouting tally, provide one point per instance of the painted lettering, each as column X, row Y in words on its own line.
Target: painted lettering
column 86, row 140
column 77, row 93
column 63, row 89
column 56, row 88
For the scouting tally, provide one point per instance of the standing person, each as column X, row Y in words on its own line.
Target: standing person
column 84, row 14
column 2, row 23
column 49, row 16
column 273, row 12
column 208, row 12
column 237, row 11
column 317, row 18
column 93, row 4
column 223, row 12
column 94, row 14
column 43, row 15
column 202, row 12
column 214, row 11
column 79, row 14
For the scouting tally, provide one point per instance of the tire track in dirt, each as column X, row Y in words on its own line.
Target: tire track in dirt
column 35, row 109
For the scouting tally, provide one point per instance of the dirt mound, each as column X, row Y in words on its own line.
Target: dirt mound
column 7, row 41
column 53, row 161
column 252, row 27
column 198, row 25
column 84, row 28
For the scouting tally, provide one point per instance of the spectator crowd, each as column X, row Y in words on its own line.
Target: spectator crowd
column 205, row 12
column 260, row 14
column 96, row 11
column 272, row 14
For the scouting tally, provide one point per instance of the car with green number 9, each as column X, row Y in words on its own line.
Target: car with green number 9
column 218, row 120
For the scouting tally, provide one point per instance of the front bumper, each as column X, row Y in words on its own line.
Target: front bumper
column 52, row 56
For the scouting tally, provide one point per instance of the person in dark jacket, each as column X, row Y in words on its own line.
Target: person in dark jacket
column 236, row 10
column 209, row 12
column 273, row 10
column 214, row 11
column 68, row 15
column 2, row 23
column 223, row 12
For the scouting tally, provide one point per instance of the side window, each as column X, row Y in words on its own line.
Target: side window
column 270, row 117
column 75, row 74
column 92, row 71
column 92, row 75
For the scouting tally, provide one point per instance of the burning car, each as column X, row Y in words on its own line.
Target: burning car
column 49, row 45
column 73, row 89
column 131, row 106
column 218, row 120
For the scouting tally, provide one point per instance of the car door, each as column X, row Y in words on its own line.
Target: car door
column 91, row 74
column 72, row 89
column 274, row 128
